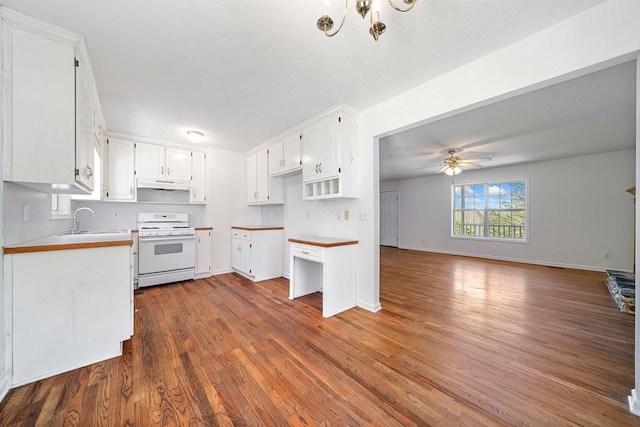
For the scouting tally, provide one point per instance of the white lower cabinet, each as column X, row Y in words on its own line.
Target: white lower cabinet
column 75, row 309
column 256, row 252
column 203, row 253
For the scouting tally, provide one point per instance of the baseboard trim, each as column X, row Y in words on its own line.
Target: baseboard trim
column 222, row 271
column 4, row 388
column 374, row 308
column 509, row 259
column 634, row 403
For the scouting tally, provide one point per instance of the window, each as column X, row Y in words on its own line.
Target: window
column 495, row 210
column 60, row 206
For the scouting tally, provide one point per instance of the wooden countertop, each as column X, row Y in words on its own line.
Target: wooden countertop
column 325, row 242
column 204, row 228
column 256, row 227
column 70, row 241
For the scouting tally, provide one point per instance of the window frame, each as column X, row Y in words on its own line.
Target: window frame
column 486, row 210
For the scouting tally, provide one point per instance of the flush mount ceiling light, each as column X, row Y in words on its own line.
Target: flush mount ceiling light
column 195, row 136
column 376, row 26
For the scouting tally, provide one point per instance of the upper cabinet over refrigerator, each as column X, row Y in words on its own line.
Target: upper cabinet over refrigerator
column 50, row 106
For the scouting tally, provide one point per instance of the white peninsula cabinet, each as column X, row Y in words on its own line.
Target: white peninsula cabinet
column 75, row 309
column 256, row 252
column 51, row 107
column 329, row 159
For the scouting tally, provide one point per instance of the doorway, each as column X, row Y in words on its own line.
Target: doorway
column 389, row 218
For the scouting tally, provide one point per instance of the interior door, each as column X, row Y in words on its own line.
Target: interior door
column 389, row 218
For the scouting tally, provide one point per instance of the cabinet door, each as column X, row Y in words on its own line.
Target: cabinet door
column 291, row 152
column 328, row 147
column 245, row 257
column 203, row 251
column 42, row 116
column 178, row 164
column 120, row 178
column 276, row 158
column 199, row 177
column 236, row 254
column 84, row 130
column 310, row 156
column 149, row 160
column 252, row 191
column 262, row 176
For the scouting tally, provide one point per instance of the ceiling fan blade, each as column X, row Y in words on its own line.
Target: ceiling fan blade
column 470, row 165
column 442, row 169
column 475, row 159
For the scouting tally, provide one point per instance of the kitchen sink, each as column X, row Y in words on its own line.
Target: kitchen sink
column 69, row 233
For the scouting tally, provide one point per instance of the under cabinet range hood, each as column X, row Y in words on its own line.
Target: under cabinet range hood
column 164, row 184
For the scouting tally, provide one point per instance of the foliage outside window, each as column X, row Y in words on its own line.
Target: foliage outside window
column 495, row 210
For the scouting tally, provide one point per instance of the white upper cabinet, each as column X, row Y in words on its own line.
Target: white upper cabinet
column 120, row 178
column 84, row 129
column 284, row 155
column 199, row 177
column 160, row 162
column 328, row 157
column 261, row 189
column 178, row 164
column 149, row 160
column 47, row 144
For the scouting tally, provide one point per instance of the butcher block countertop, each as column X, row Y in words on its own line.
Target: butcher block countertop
column 325, row 242
column 63, row 242
column 257, row 227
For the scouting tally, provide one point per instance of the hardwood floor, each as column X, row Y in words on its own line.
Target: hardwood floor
column 460, row 341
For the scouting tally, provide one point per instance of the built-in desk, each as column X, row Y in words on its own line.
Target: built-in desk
column 327, row 265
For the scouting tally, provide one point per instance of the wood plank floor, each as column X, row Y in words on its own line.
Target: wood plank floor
column 460, row 341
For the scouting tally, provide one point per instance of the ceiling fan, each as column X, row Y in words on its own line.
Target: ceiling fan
column 453, row 165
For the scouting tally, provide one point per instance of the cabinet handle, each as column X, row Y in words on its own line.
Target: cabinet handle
column 131, row 190
column 320, row 167
column 161, row 170
column 284, row 162
column 88, row 172
column 168, row 171
column 240, row 248
column 305, row 252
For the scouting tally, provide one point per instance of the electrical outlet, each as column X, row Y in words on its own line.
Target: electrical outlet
column 607, row 255
column 116, row 214
column 364, row 215
column 346, row 215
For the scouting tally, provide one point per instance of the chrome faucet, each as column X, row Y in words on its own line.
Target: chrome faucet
column 75, row 224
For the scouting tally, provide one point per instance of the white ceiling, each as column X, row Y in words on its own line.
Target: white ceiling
column 243, row 71
column 587, row 115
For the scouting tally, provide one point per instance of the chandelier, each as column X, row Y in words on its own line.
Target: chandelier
column 376, row 26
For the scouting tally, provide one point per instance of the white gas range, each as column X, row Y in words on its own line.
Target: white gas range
column 166, row 248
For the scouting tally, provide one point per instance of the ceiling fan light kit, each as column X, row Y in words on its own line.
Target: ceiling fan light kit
column 452, row 164
column 363, row 7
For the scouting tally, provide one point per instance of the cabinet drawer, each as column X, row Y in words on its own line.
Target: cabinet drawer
column 235, row 233
column 240, row 234
column 307, row 253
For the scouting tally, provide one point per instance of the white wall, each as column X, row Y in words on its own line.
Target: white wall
column 603, row 36
column 40, row 223
column 227, row 203
column 578, row 209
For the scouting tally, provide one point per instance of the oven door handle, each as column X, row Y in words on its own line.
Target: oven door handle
column 158, row 239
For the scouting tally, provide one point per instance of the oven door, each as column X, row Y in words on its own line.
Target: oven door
column 159, row 254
